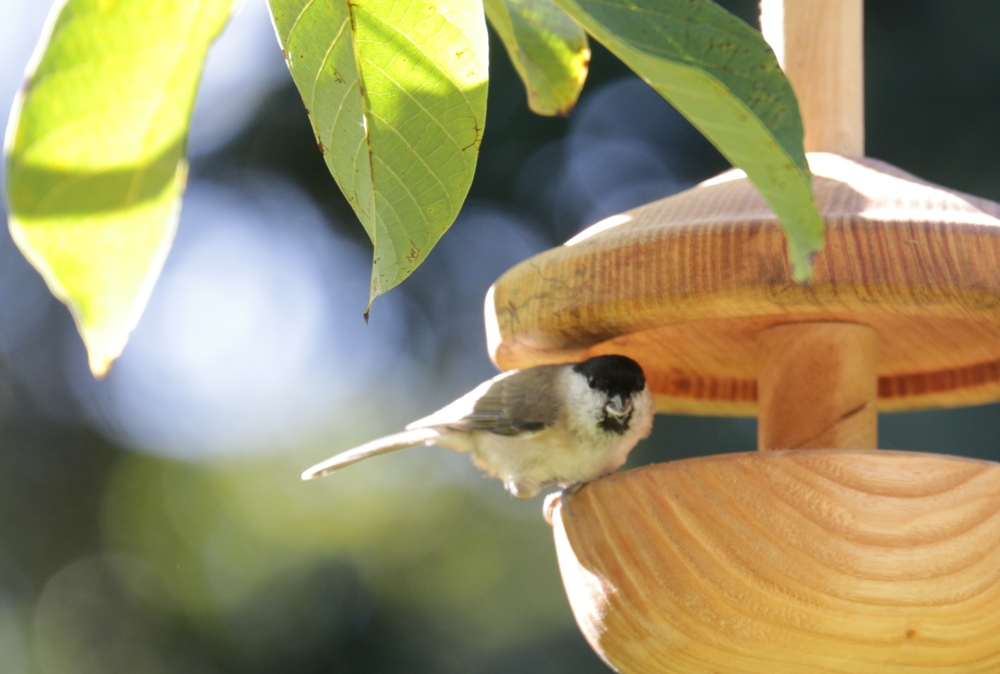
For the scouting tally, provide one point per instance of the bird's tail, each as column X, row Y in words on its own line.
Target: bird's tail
column 390, row 443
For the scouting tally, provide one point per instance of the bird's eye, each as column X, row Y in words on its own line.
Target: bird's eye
column 590, row 380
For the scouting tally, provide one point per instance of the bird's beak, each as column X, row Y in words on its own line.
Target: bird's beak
column 617, row 408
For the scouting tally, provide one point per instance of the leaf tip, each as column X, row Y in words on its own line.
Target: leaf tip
column 544, row 108
column 374, row 290
column 99, row 368
column 102, row 353
column 371, row 298
column 802, row 268
column 104, row 343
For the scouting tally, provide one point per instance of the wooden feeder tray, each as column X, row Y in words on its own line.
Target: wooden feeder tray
column 789, row 561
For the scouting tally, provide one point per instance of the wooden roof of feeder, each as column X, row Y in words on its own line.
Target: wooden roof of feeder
column 682, row 285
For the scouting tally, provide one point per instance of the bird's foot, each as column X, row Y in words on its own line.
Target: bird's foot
column 563, row 498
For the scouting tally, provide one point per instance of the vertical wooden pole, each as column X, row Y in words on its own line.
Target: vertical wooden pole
column 817, row 383
column 819, row 44
column 817, row 387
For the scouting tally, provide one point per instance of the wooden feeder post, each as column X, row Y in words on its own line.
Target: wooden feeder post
column 821, row 554
column 817, row 382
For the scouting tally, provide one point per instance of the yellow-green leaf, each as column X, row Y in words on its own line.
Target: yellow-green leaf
column 95, row 154
column 720, row 74
column 548, row 48
column 396, row 92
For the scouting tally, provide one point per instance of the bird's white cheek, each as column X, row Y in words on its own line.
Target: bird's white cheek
column 639, row 427
column 645, row 411
column 584, row 407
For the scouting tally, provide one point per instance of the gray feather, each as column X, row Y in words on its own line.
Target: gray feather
column 390, row 443
column 509, row 404
column 513, row 403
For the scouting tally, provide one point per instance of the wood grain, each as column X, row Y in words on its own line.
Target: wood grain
column 803, row 561
column 817, row 387
column 684, row 284
column 820, row 46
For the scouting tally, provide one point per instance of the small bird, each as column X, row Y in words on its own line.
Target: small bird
column 547, row 425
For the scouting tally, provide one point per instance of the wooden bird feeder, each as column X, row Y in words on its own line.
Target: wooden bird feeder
column 818, row 553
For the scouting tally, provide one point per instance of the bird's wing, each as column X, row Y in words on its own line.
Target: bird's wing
column 390, row 443
column 513, row 403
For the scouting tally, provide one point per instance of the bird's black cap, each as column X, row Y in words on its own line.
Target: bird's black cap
column 615, row 375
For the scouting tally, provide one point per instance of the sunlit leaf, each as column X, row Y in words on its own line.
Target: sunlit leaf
column 396, row 92
column 95, row 154
column 720, row 74
column 548, row 48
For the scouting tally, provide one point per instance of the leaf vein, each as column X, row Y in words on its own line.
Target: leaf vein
column 295, row 24
column 322, row 65
column 420, row 50
column 423, row 109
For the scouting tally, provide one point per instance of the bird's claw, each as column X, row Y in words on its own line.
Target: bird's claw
column 562, row 497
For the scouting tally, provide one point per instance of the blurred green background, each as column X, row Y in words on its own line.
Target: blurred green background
column 154, row 521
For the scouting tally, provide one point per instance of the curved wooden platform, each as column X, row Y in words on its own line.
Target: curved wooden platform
column 683, row 285
column 803, row 561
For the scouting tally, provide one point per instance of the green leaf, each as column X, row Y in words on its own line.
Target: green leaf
column 95, row 154
column 548, row 48
column 396, row 92
column 720, row 74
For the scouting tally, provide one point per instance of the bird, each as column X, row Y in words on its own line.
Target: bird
column 562, row 424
